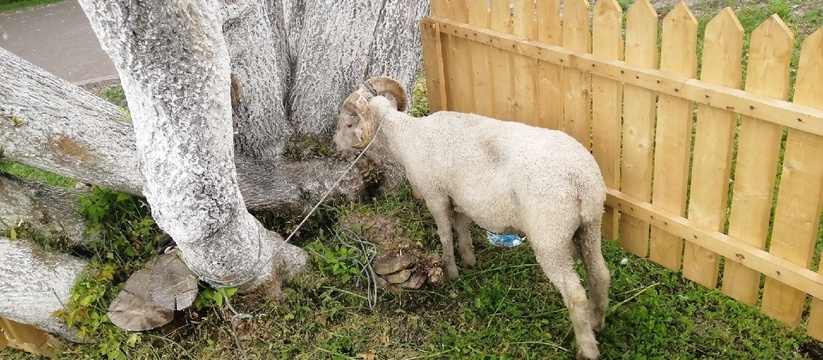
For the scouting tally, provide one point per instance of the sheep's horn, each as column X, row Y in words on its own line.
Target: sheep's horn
column 358, row 104
column 385, row 84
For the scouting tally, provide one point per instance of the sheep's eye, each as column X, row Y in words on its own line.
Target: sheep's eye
column 349, row 125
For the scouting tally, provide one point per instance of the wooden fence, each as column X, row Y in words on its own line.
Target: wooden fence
column 26, row 337
column 736, row 173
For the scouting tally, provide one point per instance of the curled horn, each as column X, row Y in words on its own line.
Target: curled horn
column 357, row 103
column 384, row 84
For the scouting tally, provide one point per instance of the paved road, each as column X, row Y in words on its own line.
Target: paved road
column 58, row 38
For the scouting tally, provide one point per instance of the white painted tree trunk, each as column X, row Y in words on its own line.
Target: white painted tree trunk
column 175, row 69
column 260, row 76
column 341, row 43
column 35, row 284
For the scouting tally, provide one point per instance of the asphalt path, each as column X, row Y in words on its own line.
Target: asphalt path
column 58, row 38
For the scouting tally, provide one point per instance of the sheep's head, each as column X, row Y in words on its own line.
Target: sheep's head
column 356, row 125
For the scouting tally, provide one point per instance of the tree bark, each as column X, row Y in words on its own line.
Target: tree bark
column 260, row 77
column 35, row 284
column 50, row 124
column 342, row 43
column 50, row 210
column 179, row 97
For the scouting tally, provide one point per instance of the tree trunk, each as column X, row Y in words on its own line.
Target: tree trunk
column 340, row 44
column 179, row 97
column 35, row 284
column 260, row 76
column 49, row 210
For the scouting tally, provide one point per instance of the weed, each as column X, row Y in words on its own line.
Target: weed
column 337, row 260
column 116, row 96
column 420, row 100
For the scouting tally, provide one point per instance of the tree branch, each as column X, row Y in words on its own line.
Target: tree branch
column 35, row 283
column 48, row 209
column 96, row 146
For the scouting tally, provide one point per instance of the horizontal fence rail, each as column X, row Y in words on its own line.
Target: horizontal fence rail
column 716, row 175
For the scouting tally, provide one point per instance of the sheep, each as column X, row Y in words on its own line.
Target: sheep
column 507, row 177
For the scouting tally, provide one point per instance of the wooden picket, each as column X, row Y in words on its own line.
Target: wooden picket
column 800, row 197
column 479, row 15
column 550, row 76
column 577, row 83
column 723, row 48
column 518, row 61
column 672, row 137
column 639, row 113
column 525, row 68
column 503, row 62
column 770, row 56
column 607, row 99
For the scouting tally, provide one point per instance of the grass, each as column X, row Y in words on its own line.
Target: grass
column 10, row 5
column 36, row 174
column 504, row 308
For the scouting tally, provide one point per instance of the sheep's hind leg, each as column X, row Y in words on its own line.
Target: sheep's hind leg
column 464, row 239
column 598, row 274
column 556, row 259
column 442, row 213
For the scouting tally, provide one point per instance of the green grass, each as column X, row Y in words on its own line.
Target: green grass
column 10, row 5
column 504, row 308
column 28, row 172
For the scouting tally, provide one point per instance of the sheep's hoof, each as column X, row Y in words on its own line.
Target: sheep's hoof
column 451, row 272
column 588, row 354
column 468, row 261
column 598, row 323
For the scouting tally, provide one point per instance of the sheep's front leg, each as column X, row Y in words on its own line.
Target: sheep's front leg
column 464, row 239
column 441, row 210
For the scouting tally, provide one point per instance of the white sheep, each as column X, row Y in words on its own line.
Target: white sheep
column 507, row 177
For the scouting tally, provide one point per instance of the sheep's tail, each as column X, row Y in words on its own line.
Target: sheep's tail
column 591, row 192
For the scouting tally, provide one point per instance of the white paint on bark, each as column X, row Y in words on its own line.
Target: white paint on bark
column 174, row 65
column 35, row 284
column 260, row 77
column 267, row 184
column 48, row 123
column 342, row 43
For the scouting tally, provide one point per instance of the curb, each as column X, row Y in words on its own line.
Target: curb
column 95, row 84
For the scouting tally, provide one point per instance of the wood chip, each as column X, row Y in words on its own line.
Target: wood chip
column 392, row 264
column 133, row 310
